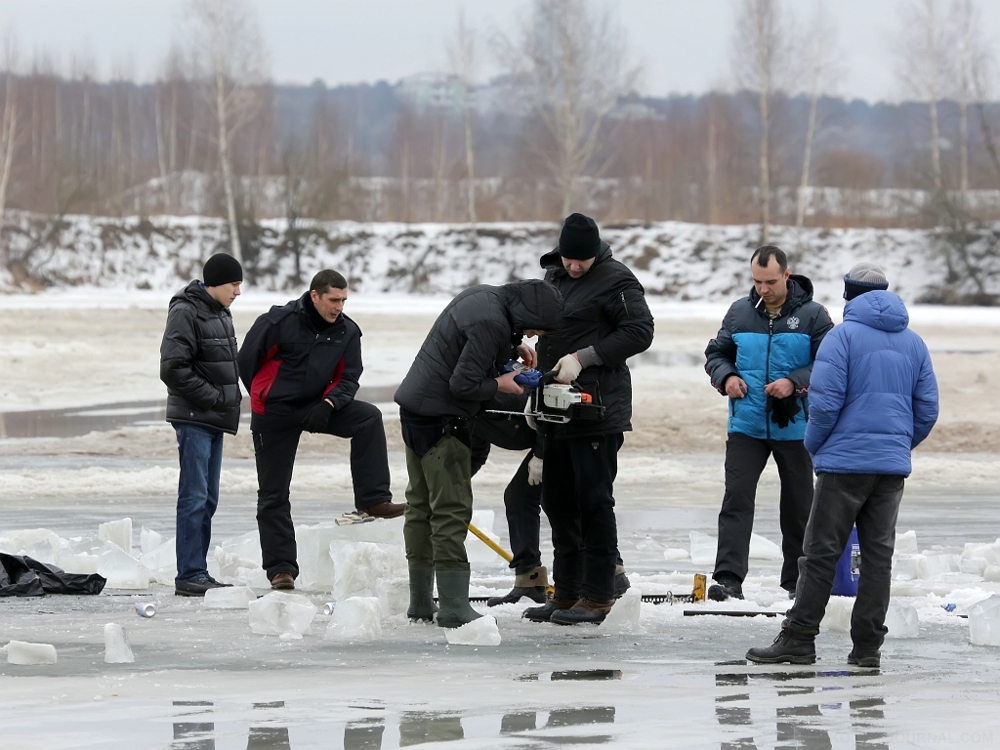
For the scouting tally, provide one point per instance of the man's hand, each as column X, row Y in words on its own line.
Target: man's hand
column 319, row 416
column 527, row 355
column 567, row 369
column 780, row 388
column 534, row 471
column 506, row 384
column 736, row 387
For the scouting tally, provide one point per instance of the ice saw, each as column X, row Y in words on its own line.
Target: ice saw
column 549, row 401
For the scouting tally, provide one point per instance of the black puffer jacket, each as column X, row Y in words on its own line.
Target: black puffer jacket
column 606, row 309
column 198, row 361
column 289, row 363
column 453, row 373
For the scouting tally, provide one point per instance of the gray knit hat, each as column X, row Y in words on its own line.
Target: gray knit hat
column 864, row 277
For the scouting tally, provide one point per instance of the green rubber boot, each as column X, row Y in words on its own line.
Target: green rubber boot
column 422, row 606
column 453, row 596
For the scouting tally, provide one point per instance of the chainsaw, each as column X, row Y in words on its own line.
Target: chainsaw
column 550, row 401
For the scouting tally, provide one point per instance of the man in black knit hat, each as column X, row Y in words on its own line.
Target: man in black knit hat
column 198, row 366
column 301, row 363
column 605, row 321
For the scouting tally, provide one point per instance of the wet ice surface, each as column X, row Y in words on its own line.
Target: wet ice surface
column 202, row 678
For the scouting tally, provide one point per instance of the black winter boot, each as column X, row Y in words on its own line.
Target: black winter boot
column 861, row 658
column 585, row 610
column 788, row 648
column 727, row 586
column 453, row 596
column 622, row 583
column 531, row 584
column 422, row 606
column 544, row 613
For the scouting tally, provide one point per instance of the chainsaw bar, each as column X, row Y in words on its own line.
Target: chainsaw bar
column 667, row 598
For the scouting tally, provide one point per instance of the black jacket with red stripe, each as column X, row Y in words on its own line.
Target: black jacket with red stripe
column 288, row 365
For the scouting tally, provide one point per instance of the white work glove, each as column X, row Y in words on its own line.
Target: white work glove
column 567, row 369
column 529, row 415
column 534, row 471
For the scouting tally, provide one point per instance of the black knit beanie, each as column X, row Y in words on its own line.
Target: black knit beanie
column 579, row 239
column 864, row 277
column 221, row 269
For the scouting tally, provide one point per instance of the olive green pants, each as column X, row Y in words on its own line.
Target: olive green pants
column 438, row 506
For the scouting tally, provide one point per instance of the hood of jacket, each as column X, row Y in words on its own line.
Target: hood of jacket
column 533, row 304
column 800, row 291
column 195, row 294
column 878, row 309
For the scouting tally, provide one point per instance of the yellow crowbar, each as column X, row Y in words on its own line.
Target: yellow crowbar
column 491, row 544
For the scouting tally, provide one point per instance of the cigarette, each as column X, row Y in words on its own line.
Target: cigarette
column 759, row 300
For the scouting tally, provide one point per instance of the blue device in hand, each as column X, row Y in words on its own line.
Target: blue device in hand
column 527, row 377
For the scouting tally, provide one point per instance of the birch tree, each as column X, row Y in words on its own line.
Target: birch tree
column 760, row 58
column 228, row 52
column 572, row 58
column 462, row 59
column 8, row 129
column 819, row 55
column 922, row 68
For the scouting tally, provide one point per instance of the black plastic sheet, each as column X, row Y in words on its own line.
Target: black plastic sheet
column 23, row 576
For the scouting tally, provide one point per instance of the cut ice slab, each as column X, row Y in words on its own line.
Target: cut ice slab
column 837, row 617
column 357, row 618
column 359, row 566
column 231, row 597
column 624, row 616
column 122, row 570
column 476, row 549
column 117, row 532
column 902, row 620
column 703, row 548
column 762, row 548
column 117, row 649
column 279, row 613
column 22, row 652
column 984, row 622
column 482, row 631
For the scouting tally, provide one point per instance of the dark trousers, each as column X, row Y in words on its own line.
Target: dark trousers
column 578, row 478
column 871, row 502
column 522, row 503
column 275, row 454
column 746, row 458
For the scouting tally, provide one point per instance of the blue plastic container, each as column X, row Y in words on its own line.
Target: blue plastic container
column 845, row 577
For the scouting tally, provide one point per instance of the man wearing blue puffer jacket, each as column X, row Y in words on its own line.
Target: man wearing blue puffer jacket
column 874, row 398
column 762, row 359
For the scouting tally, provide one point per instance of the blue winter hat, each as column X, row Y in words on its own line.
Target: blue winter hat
column 864, row 277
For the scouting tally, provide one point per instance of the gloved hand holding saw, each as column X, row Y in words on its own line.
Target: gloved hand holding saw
column 567, row 369
column 534, row 471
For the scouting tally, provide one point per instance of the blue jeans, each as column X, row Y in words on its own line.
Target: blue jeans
column 200, row 450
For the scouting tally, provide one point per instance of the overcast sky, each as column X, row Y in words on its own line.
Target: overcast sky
column 683, row 45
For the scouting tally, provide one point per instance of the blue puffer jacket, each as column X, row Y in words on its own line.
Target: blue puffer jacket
column 874, row 396
column 761, row 350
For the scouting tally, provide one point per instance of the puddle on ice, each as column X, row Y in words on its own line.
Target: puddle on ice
column 573, row 674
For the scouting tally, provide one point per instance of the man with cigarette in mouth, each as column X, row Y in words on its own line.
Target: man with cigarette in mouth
column 762, row 360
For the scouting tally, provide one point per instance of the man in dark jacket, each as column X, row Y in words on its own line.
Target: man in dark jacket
column 301, row 364
column 198, row 366
column 455, row 373
column 874, row 398
column 762, row 359
column 605, row 321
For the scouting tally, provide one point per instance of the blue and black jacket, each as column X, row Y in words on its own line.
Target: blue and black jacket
column 760, row 350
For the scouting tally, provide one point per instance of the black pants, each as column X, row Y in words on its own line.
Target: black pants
column 870, row 501
column 578, row 478
column 275, row 454
column 746, row 458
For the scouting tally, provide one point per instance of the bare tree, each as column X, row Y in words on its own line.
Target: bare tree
column 462, row 60
column 760, row 58
column 8, row 128
column 228, row 52
column 971, row 60
column 573, row 59
column 820, row 57
column 922, row 67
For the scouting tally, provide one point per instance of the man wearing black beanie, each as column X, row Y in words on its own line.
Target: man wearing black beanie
column 198, row 366
column 605, row 321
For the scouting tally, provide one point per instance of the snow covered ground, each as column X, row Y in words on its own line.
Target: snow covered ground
column 202, row 678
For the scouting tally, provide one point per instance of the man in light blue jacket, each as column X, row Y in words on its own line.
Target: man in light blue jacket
column 873, row 399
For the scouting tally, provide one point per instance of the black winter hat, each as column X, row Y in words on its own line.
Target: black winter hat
column 579, row 239
column 221, row 269
column 864, row 277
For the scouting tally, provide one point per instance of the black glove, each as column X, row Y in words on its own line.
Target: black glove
column 783, row 410
column 318, row 417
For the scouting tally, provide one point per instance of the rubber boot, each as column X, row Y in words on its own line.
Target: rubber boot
column 422, row 605
column 531, row 584
column 453, row 596
column 788, row 648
